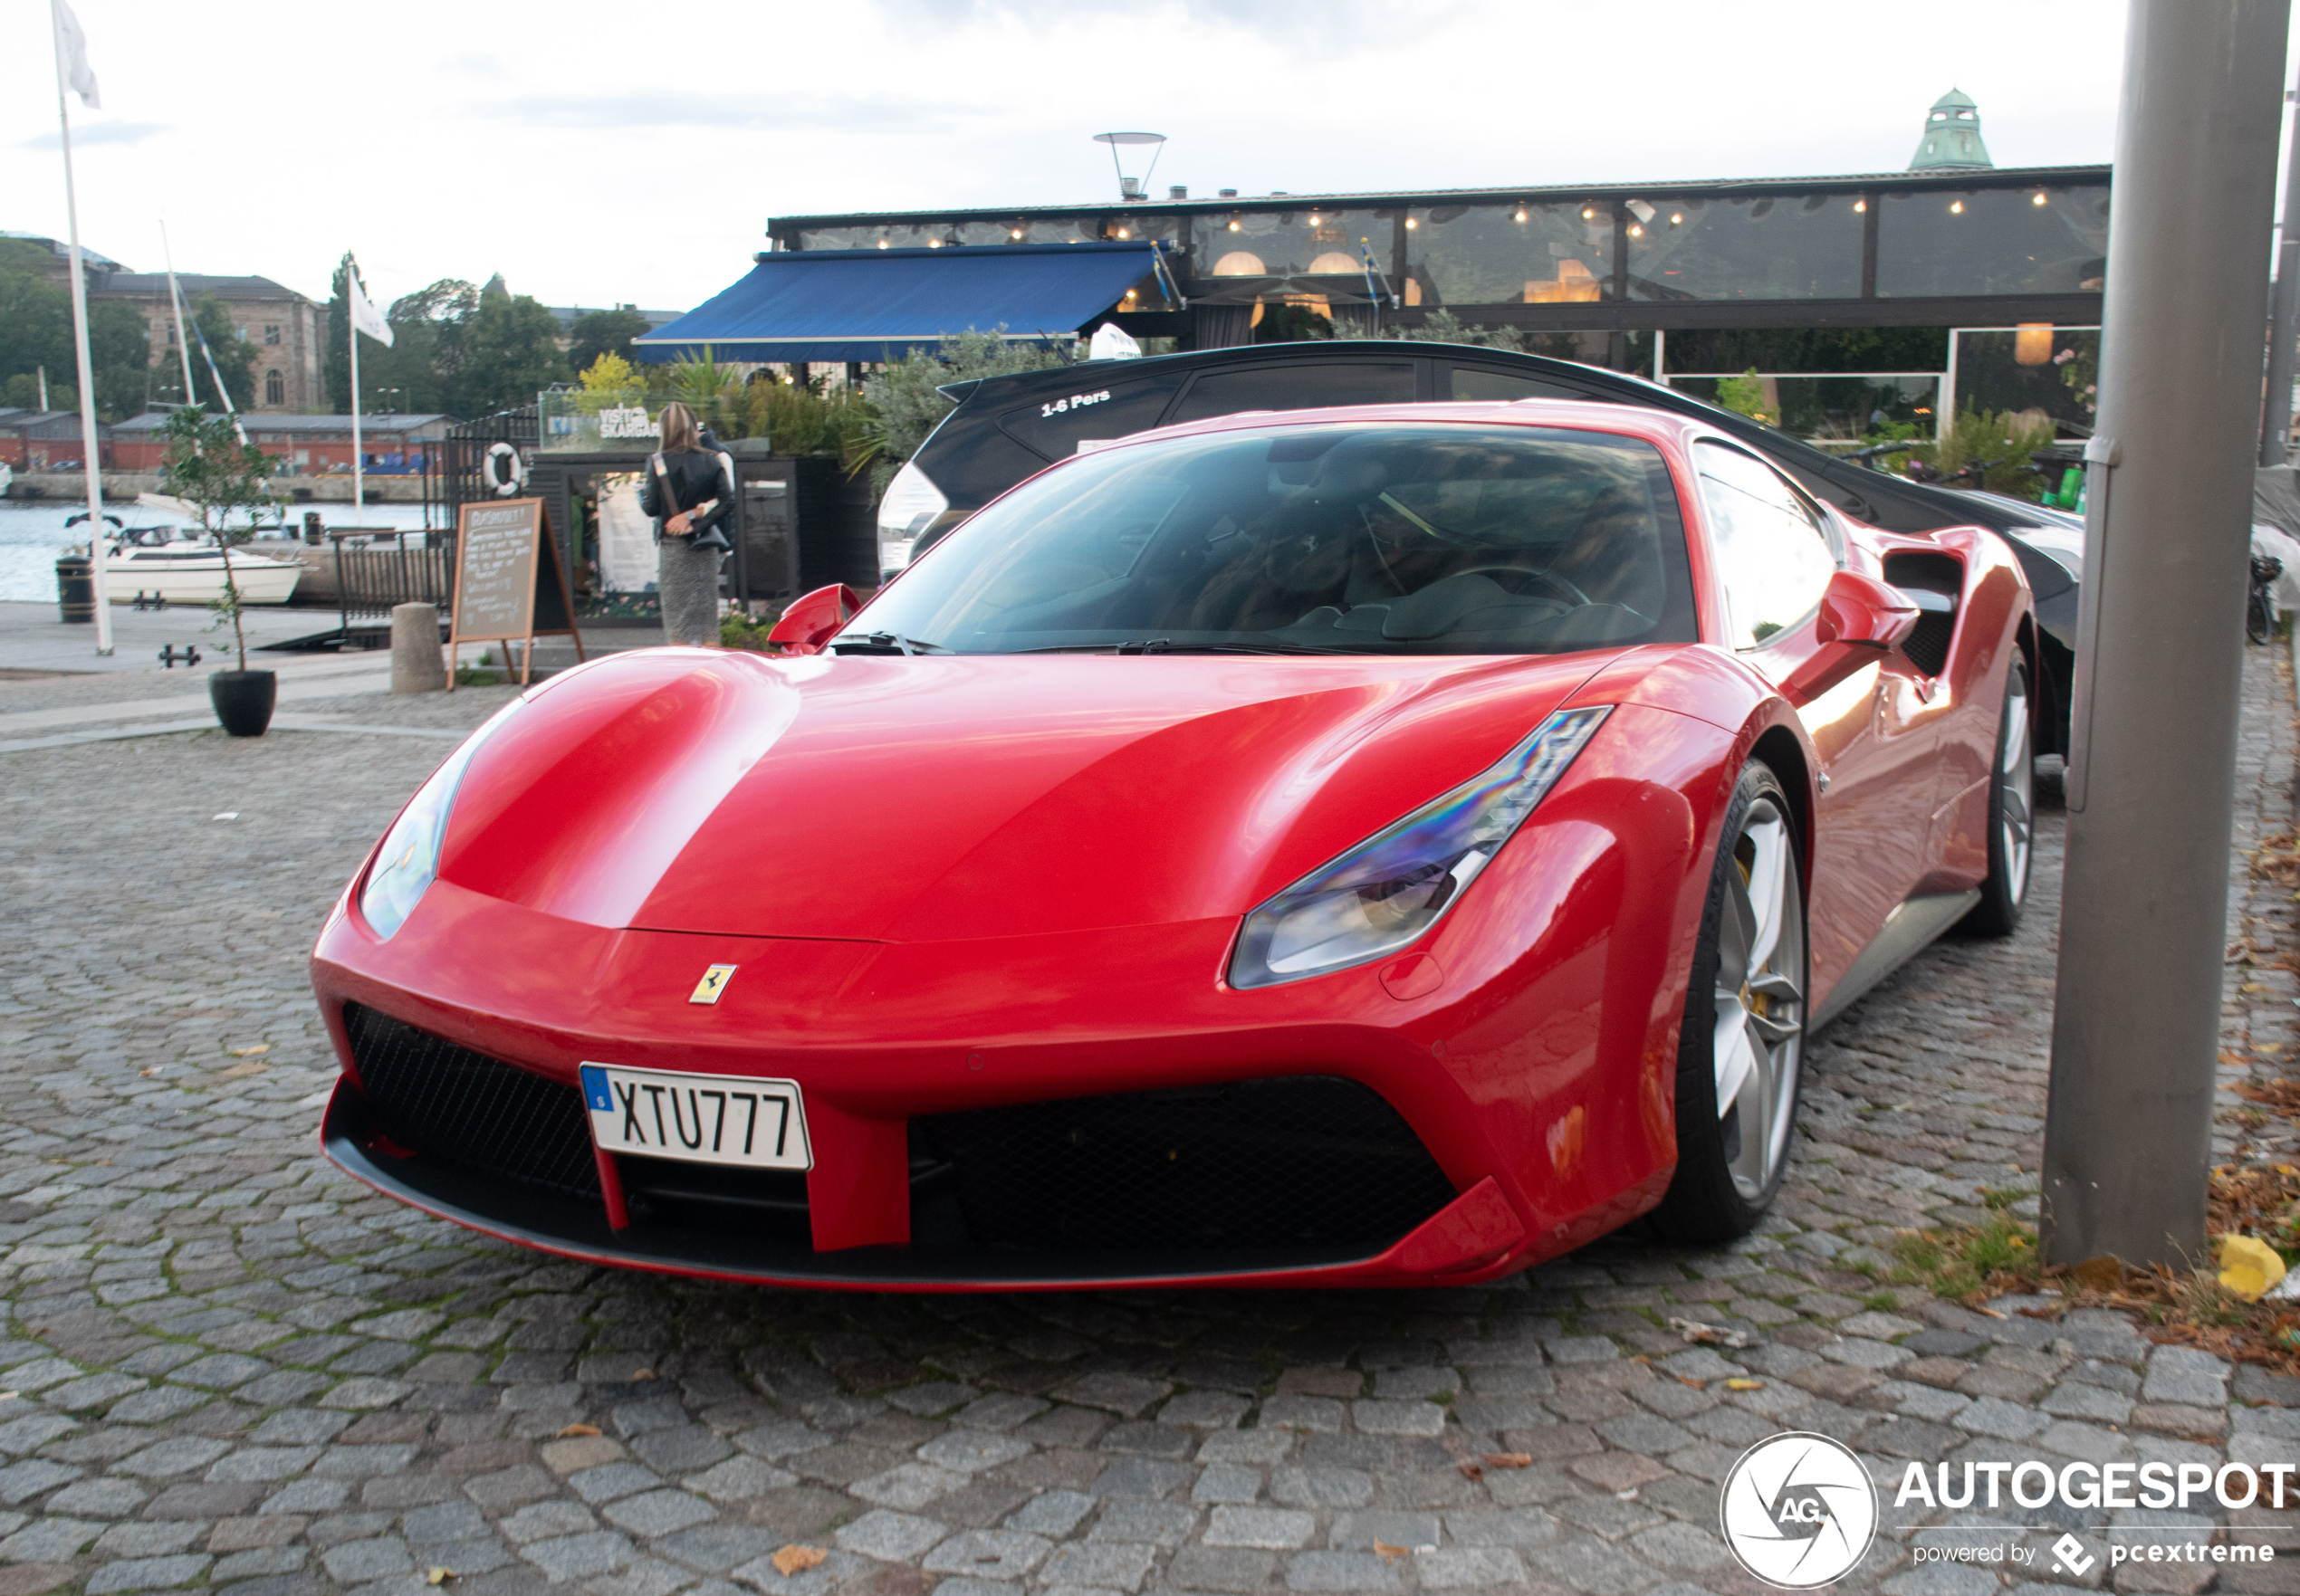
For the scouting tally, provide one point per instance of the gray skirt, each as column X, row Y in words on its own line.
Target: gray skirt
column 687, row 580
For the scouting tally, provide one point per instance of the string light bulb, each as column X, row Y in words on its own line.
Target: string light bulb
column 1956, row 207
column 2038, row 198
column 1412, row 221
column 1521, row 212
column 1860, row 206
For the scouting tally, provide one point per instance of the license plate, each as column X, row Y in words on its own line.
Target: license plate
column 702, row 1119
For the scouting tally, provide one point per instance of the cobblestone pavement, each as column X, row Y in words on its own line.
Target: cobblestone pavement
column 227, row 1366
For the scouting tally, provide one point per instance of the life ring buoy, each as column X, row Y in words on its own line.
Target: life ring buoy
column 503, row 470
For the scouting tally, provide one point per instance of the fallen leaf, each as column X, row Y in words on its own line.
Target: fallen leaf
column 579, row 1430
column 796, row 1559
column 1744, row 1385
column 7, row 1396
column 1387, row 1552
column 2248, row 1267
column 251, row 1052
column 1701, row 1335
column 1470, row 1470
column 1698, row 1385
column 1509, row 1459
column 148, row 1074
column 1628, row 1496
column 436, row 1575
column 644, row 1374
column 250, row 1069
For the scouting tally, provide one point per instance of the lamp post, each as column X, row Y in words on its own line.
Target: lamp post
column 2151, row 765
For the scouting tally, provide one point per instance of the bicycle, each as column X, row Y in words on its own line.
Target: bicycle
column 2260, row 607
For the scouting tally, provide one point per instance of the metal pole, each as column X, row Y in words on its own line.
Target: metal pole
column 1944, row 397
column 90, row 445
column 176, row 303
column 2276, row 418
column 2151, row 772
column 359, row 460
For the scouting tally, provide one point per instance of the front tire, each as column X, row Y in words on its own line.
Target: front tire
column 1740, row 1054
column 2012, row 815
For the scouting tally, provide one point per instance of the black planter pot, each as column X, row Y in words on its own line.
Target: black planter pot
column 243, row 700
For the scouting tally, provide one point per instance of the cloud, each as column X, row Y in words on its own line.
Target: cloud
column 616, row 113
column 95, row 133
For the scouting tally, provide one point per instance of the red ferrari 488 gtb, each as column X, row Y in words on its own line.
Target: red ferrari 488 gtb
column 1371, row 847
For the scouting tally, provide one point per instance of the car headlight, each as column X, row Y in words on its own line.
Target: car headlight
column 912, row 503
column 409, row 856
column 1391, row 888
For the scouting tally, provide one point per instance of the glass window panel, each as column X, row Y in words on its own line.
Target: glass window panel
column 1489, row 255
column 1770, row 552
column 1289, row 244
column 1301, row 385
column 2044, row 240
column 976, row 233
column 1785, row 246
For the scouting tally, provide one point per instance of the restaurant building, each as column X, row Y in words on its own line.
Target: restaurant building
column 1636, row 276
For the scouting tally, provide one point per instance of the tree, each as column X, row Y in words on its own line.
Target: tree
column 424, row 360
column 234, row 354
column 35, row 331
column 510, row 349
column 605, row 332
column 335, row 359
column 210, row 468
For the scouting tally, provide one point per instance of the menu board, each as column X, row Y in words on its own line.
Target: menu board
column 508, row 581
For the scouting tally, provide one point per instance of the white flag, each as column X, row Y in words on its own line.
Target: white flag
column 365, row 317
column 72, row 53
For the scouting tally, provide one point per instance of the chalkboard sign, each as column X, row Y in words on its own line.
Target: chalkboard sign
column 508, row 583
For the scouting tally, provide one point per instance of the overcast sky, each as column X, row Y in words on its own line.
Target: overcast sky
column 597, row 152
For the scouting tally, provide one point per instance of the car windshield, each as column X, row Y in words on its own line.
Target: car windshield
column 1373, row 537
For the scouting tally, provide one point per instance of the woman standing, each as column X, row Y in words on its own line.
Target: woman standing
column 689, row 491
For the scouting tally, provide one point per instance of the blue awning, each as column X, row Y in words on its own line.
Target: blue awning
column 877, row 304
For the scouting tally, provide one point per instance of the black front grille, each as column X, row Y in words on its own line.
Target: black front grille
column 454, row 1106
column 1298, row 1160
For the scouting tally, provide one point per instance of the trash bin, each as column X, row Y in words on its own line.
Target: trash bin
column 76, row 588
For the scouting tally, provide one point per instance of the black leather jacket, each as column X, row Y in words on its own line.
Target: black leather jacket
column 693, row 476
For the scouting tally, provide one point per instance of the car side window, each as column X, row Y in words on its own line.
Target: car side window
column 1483, row 383
column 1301, row 385
column 1772, row 553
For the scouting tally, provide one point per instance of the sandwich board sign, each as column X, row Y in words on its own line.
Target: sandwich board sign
column 510, row 586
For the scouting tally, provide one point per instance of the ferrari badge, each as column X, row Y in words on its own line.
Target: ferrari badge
column 712, row 984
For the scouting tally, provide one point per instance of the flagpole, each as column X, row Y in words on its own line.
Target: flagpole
column 176, row 303
column 93, row 455
column 358, row 460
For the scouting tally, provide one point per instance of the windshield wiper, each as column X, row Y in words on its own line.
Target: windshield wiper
column 884, row 643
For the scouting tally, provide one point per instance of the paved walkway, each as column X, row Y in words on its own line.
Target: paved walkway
column 230, row 1367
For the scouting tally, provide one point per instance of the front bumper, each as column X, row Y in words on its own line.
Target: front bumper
column 1467, row 1241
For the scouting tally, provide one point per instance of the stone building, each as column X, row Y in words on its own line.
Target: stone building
column 285, row 328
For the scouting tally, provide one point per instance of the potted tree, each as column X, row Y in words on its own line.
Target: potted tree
column 211, row 469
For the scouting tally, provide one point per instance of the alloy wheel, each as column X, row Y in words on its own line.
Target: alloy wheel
column 2017, row 790
column 1760, row 999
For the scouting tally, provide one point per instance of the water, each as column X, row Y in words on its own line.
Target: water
column 32, row 535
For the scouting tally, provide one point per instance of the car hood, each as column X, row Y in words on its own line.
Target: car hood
column 934, row 799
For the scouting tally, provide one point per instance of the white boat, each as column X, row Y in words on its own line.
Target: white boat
column 184, row 572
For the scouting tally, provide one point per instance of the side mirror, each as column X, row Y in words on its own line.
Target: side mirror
column 1861, row 611
column 816, row 618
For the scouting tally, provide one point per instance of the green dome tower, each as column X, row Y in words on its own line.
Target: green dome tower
column 1951, row 136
